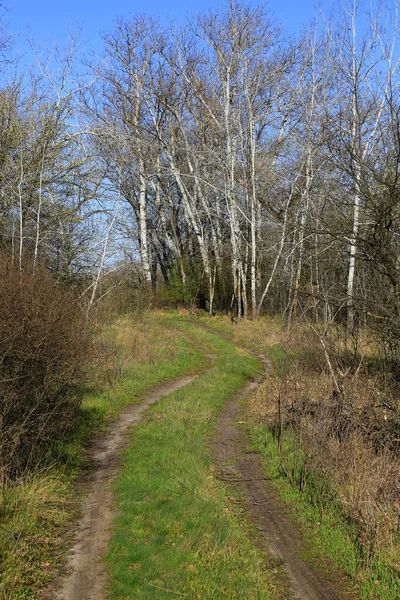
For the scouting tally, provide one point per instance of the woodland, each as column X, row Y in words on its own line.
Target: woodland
column 222, row 159
column 221, row 167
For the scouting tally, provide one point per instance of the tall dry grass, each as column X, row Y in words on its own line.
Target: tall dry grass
column 347, row 438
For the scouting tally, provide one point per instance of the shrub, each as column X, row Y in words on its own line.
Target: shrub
column 44, row 347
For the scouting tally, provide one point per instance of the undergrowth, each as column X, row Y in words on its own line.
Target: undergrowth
column 330, row 447
column 45, row 349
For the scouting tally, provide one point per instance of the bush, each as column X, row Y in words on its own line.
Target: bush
column 44, row 347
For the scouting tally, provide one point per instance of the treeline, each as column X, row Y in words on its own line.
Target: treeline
column 261, row 171
column 239, row 167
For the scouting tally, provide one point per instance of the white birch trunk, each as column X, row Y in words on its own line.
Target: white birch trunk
column 277, row 258
column 38, row 215
column 21, row 215
column 102, row 260
column 143, row 244
column 305, row 202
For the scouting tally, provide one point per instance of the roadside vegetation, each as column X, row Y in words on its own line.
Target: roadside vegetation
column 45, row 349
column 329, row 435
column 36, row 502
column 170, row 500
column 231, row 168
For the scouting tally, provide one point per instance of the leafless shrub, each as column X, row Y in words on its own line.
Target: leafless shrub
column 44, row 347
column 349, row 441
column 346, row 432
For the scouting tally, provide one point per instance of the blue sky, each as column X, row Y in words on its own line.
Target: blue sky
column 48, row 20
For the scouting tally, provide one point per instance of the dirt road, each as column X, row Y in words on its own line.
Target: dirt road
column 86, row 577
column 278, row 536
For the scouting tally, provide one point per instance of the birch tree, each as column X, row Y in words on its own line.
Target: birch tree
column 363, row 65
column 122, row 117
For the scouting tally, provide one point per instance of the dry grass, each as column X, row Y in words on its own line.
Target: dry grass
column 125, row 344
column 349, row 439
column 133, row 355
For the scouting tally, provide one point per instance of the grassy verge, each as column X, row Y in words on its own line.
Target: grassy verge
column 137, row 355
column 35, row 511
column 176, row 534
column 326, row 503
column 332, row 539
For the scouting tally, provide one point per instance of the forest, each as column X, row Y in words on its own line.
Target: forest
column 244, row 177
column 240, row 168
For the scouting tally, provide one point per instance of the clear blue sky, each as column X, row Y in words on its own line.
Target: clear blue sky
column 50, row 19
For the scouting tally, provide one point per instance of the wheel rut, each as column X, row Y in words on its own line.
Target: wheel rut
column 85, row 577
column 277, row 535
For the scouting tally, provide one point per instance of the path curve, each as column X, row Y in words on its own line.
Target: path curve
column 86, row 577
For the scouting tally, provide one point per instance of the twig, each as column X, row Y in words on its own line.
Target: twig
column 167, row 590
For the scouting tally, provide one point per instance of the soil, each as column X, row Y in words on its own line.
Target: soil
column 278, row 535
column 85, row 576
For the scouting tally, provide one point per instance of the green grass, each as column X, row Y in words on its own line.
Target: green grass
column 259, row 336
column 176, row 534
column 104, row 401
column 31, row 516
column 35, row 512
column 332, row 538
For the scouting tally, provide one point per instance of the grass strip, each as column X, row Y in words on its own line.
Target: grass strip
column 176, row 534
column 99, row 405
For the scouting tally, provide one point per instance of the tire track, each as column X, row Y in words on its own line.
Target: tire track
column 85, row 576
column 242, row 468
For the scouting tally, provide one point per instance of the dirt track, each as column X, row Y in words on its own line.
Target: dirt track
column 86, row 577
column 278, row 536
